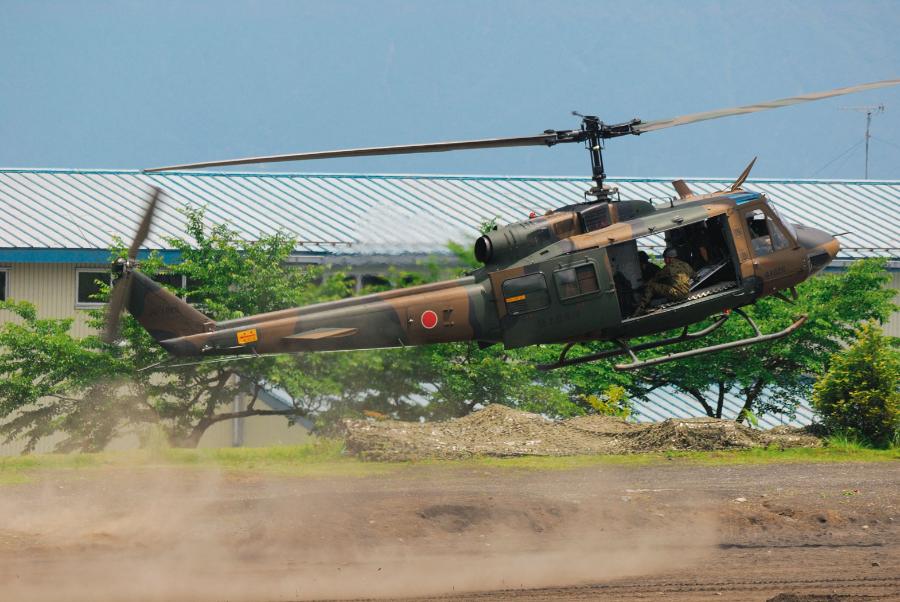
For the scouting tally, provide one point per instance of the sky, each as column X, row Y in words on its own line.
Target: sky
column 137, row 84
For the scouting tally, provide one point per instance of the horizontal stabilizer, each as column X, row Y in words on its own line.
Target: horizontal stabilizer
column 322, row 333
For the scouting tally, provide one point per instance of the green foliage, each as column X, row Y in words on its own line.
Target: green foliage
column 488, row 225
column 836, row 305
column 465, row 377
column 613, row 402
column 41, row 361
column 230, row 277
column 859, row 396
column 844, row 442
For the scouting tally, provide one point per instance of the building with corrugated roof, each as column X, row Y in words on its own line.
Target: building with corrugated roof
column 56, row 226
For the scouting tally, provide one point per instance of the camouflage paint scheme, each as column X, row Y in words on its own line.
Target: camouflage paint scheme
column 476, row 308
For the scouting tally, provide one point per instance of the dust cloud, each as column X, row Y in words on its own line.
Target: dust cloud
column 161, row 533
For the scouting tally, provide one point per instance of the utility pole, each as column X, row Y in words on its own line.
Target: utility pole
column 869, row 111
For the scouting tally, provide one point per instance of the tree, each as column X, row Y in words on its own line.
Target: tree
column 836, row 305
column 860, row 393
column 51, row 381
column 44, row 376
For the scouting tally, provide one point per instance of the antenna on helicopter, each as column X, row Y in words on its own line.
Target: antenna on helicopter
column 869, row 111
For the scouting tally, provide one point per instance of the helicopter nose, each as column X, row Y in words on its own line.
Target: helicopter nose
column 820, row 246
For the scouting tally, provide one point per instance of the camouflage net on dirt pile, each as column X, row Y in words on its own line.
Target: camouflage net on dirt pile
column 502, row 432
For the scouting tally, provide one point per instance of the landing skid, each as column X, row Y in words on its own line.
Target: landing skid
column 636, row 363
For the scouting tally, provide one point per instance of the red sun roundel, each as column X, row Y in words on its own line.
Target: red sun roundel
column 429, row 319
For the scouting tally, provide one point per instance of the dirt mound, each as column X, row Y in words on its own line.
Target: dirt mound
column 494, row 431
column 697, row 434
column 502, row 431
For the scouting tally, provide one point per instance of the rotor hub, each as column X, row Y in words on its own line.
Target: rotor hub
column 123, row 266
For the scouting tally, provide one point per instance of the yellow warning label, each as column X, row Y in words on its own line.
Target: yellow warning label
column 247, row 336
column 514, row 299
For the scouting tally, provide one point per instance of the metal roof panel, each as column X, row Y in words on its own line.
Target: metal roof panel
column 383, row 214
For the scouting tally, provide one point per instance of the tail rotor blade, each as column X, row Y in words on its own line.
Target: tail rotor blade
column 144, row 227
column 122, row 287
column 114, row 308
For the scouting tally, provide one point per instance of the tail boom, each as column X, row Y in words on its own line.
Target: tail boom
column 444, row 312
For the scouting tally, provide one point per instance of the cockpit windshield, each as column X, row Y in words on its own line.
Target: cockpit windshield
column 787, row 225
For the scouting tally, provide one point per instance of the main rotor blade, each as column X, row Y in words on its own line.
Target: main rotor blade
column 650, row 126
column 144, row 227
column 114, row 308
column 546, row 139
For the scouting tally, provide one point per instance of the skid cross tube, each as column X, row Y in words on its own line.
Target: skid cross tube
column 624, row 347
column 757, row 338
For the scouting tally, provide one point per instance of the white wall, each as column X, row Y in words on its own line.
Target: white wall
column 51, row 288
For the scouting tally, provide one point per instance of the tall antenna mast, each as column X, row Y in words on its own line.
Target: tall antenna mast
column 869, row 111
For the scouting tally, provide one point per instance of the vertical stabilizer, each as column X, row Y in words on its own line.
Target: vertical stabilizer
column 162, row 314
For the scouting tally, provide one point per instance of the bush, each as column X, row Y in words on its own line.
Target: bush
column 859, row 396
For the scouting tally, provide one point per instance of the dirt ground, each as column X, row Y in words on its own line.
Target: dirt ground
column 501, row 431
column 663, row 532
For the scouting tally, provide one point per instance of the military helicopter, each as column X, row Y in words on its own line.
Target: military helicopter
column 568, row 276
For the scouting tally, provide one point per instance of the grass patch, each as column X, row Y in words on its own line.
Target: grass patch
column 848, row 443
column 319, row 459
column 325, row 458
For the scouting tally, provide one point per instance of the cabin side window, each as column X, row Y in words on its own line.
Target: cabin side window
column 577, row 281
column 525, row 294
column 765, row 235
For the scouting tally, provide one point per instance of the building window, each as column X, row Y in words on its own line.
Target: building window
column 4, row 284
column 577, row 281
column 87, row 286
column 525, row 294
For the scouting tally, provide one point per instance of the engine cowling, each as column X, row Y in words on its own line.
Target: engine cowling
column 507, row 244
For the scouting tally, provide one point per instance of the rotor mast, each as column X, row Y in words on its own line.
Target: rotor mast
column 593, row 132
column 591, row 126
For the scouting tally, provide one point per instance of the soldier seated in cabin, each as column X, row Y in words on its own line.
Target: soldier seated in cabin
column 673, row 282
